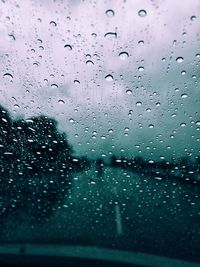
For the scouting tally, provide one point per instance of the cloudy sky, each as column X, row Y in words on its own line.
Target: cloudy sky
column 121, row 77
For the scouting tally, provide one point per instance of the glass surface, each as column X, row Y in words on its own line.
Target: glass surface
column 100, row 125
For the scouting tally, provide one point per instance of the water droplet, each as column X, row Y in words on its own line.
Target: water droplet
column 151, row 126
column 142, row 13
column 138, row 103
column 141, row 42
column 179, row 59
column 123, row 55
column 183, row 72
column 76, row 82
column 109, row 78
column 12, row 37
column 110, row 13
column 94, row 35
column 61, row 102
column 54, row 85
column 197, row 123
column 7, row 75
column 141, row 68
column 110, row 35
column 53, row 23
column 110, row 130
column 148, row 110
column 193, row 18
column 128, row 92
column 71, row 120
column 16, row 106
column 197, row 55
column 89, row 63
column 68, row 47
column 184, row 96
column 183, row 124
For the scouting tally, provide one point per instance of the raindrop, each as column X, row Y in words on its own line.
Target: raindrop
column 94, row 34
column 141, row 42
column 89, row 63
column 183, row 72
column 193, row 18
column 179, row 59
column 128, row 92
column 12, row 37
column 71, row 120
column 197, row 123
column 110, row 13
column 7, row 75
column 123, row 55
column 138, row 103
column 184, row 96
column 158, row 178
column 197, row 55
column 183, row 124
column 110, row 35
column 16, row 106
column 53, row 23
column 54, row 85
column 142, row 13
column 110, row 130
column 151, row 126
column 68, row 47
column 109, row 78
column 61, row 102
column 76, row 82
column 141, row 68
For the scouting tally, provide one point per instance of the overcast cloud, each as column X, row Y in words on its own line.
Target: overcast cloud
column 59, row 53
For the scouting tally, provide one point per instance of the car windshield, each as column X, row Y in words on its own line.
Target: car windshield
column 100, row 127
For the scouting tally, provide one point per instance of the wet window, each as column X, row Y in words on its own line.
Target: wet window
column 100, row 127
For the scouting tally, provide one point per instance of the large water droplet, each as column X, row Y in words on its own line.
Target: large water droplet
column 54, row 85
column 138, row 103
column 8, row 76
column 184, row 96
column 128, row 92
column 193, row 18
column 61, row 102
column 89, row 63
column 109, row 78
column 151, row 126
column 68, row 47
column 141, row 68
column 183, row 72
column 110, row 35
column 142, row 13
column 197, row 123
column 123, row 55
column 76, row 82
column 183, row 124
column 71, row 120
column 110, row 13
column 53, row 23
column 179, row 59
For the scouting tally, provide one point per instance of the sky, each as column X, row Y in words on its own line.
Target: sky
column 120, row 77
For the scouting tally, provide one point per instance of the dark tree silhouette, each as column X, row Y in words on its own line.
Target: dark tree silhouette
column 35, row 166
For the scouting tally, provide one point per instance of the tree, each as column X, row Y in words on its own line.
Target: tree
column 36, row 166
